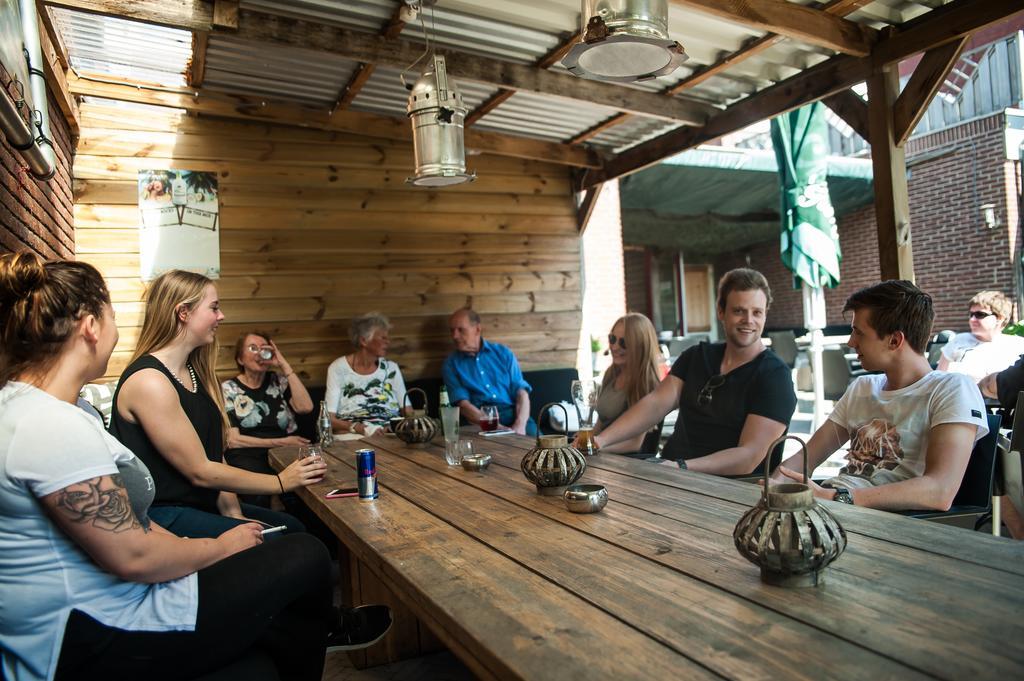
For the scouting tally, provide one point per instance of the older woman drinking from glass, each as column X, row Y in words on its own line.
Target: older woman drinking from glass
column 633, row 345
column 362, row 387
column 261, row 403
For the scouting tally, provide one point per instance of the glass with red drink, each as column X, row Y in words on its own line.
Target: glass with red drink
column 488, row 418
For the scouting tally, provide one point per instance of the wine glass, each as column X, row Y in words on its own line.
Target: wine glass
column 585, row 393
column 489, row 417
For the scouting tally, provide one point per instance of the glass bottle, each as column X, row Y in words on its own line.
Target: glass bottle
column 323, row 425
column 443, row 401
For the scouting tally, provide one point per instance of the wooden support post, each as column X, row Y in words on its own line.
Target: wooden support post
column 928, row 77
column 892, row 207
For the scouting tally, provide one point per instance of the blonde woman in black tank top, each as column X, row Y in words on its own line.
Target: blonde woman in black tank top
column 168, row 409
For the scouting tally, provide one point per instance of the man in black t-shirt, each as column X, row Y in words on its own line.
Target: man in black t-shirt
column 734, row 398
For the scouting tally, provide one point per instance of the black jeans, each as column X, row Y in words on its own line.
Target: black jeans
column 271, row 600
column 186, row 521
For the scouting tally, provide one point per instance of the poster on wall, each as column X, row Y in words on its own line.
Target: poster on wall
column 178, row 222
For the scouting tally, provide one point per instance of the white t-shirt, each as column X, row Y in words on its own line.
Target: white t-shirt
column 889, row 429
column 968, row 355
column 46, row 445
column 354, row 397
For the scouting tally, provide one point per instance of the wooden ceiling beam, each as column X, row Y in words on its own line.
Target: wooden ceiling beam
column 61, row 50
column 361, row 76
column 502, row 96
column 257, row 110
column 374, row 49
column 56, row 76
column 835, row 75
column 940, row 26
column 189, row 15
column 793, row 21
column 925, row 82
column 849, row 106
column 195, row 72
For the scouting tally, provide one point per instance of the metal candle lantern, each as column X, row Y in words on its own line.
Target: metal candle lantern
column 788, row 534
column 417, row 427
column 553, row 464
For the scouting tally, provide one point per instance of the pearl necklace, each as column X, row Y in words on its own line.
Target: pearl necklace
column 192, row 375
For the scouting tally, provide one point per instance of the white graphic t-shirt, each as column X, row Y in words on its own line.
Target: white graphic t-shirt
column 889, row 429
column 968, row 355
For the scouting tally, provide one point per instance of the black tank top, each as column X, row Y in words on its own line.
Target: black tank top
column 173, row 488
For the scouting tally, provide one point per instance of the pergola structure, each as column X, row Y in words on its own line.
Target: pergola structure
column 748, row 61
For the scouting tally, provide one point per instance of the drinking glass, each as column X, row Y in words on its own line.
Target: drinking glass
column 450, row 426
column 464, row 449
column 585, row 394
column 311, row 450
column 489, row 420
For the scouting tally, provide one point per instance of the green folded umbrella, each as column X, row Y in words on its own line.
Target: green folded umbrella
column 810, row 239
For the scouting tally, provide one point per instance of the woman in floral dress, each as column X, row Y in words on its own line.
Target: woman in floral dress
column 261, row 403
column 363, row 387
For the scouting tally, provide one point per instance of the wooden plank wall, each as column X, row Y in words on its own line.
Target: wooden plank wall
column 319, row 227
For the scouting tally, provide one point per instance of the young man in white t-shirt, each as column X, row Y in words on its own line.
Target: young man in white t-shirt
column 911, row 429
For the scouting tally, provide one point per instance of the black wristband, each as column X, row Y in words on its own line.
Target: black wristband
column 682, row 464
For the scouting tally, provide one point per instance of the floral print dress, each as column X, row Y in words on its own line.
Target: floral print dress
column 260, row 412
column 374, row 398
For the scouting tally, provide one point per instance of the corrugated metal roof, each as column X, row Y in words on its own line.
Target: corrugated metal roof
column 125, row 49
column 282, row 73
column 522, row 31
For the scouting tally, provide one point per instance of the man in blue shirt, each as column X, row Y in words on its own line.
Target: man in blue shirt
column 480, row 372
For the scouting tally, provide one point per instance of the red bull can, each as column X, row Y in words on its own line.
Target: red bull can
column 366, row 474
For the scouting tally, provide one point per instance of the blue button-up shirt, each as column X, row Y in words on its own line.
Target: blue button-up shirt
column 491, row 376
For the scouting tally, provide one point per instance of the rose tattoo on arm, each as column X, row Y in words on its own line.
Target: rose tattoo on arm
column 101, row 502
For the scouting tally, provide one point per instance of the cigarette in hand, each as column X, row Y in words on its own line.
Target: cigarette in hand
column 271, row 530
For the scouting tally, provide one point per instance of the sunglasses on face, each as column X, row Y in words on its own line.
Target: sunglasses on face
column 705, row 394
column 613, row 339
column 980, row 314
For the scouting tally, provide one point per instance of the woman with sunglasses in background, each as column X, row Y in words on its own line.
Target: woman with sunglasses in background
column 636, row 357
column 985, row 349
column 261, row 405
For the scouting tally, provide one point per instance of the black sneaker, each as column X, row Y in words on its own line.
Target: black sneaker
column 360, row 627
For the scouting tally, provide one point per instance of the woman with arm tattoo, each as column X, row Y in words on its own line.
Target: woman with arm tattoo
column 92, row 588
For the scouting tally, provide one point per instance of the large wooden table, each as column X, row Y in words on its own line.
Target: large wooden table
column 653, row 587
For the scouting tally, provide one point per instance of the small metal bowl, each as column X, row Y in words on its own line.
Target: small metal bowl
column 476, row 463
column 585, row 498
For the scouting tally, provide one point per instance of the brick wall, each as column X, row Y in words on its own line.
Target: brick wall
column 604, row 298
column 37, row 216
column 951, row 174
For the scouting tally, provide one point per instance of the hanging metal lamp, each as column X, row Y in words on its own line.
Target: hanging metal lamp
column 437, row 113
column 624, row 41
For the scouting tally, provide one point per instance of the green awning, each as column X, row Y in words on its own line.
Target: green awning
column 708, row 201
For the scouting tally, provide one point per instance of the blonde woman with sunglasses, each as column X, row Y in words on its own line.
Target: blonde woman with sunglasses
column 633, row 374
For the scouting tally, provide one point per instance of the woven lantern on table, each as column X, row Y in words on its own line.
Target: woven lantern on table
column 553, row 464
column 788, row 534
column 417, row 427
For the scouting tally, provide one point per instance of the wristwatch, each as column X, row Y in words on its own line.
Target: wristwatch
column 843, row 495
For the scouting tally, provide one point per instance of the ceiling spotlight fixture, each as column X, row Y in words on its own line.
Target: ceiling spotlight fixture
column 624, row 41
column 438, row 113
